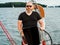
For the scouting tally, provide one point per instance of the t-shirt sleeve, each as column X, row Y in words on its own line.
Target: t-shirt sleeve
column 38, row 16
column 20, row 17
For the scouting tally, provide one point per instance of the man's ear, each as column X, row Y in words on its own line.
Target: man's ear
column 33, row 7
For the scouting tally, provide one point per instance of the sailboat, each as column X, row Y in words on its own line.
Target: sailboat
column 13, row 6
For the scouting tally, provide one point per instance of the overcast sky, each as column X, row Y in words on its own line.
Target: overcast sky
column 47, row 2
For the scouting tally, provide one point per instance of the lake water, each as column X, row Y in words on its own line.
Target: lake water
column 9, row 17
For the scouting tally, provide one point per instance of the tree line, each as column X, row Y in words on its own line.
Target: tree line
column 16, row 4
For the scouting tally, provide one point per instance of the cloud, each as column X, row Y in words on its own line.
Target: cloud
column 47, row 2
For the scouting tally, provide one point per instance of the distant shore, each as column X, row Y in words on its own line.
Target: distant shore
column 16, row 4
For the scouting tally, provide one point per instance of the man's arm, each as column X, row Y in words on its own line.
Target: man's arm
column 20, row 27
column 42, row 24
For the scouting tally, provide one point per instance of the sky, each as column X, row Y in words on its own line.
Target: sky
column 46, row 2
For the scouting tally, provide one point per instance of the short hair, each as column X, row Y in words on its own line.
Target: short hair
column 29, row 2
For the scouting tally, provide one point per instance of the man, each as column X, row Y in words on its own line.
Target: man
column 27, row 24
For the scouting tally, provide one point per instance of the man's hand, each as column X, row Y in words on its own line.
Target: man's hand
column 22, row 34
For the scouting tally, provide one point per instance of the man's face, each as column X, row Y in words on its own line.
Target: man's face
column 29, row 6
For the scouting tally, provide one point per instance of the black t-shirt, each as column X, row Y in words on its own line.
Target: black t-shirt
column 29, row 21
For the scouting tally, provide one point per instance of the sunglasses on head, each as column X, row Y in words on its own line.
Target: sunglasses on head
column 28, row 6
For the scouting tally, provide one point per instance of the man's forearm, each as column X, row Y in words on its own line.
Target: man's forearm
column 42, row 24
column 20, row 29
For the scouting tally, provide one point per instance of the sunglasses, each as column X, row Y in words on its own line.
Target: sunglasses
column 28, row 6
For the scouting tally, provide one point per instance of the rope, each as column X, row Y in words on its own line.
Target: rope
column 7, row 34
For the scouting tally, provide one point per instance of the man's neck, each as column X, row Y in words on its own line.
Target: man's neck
column 29, row 12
